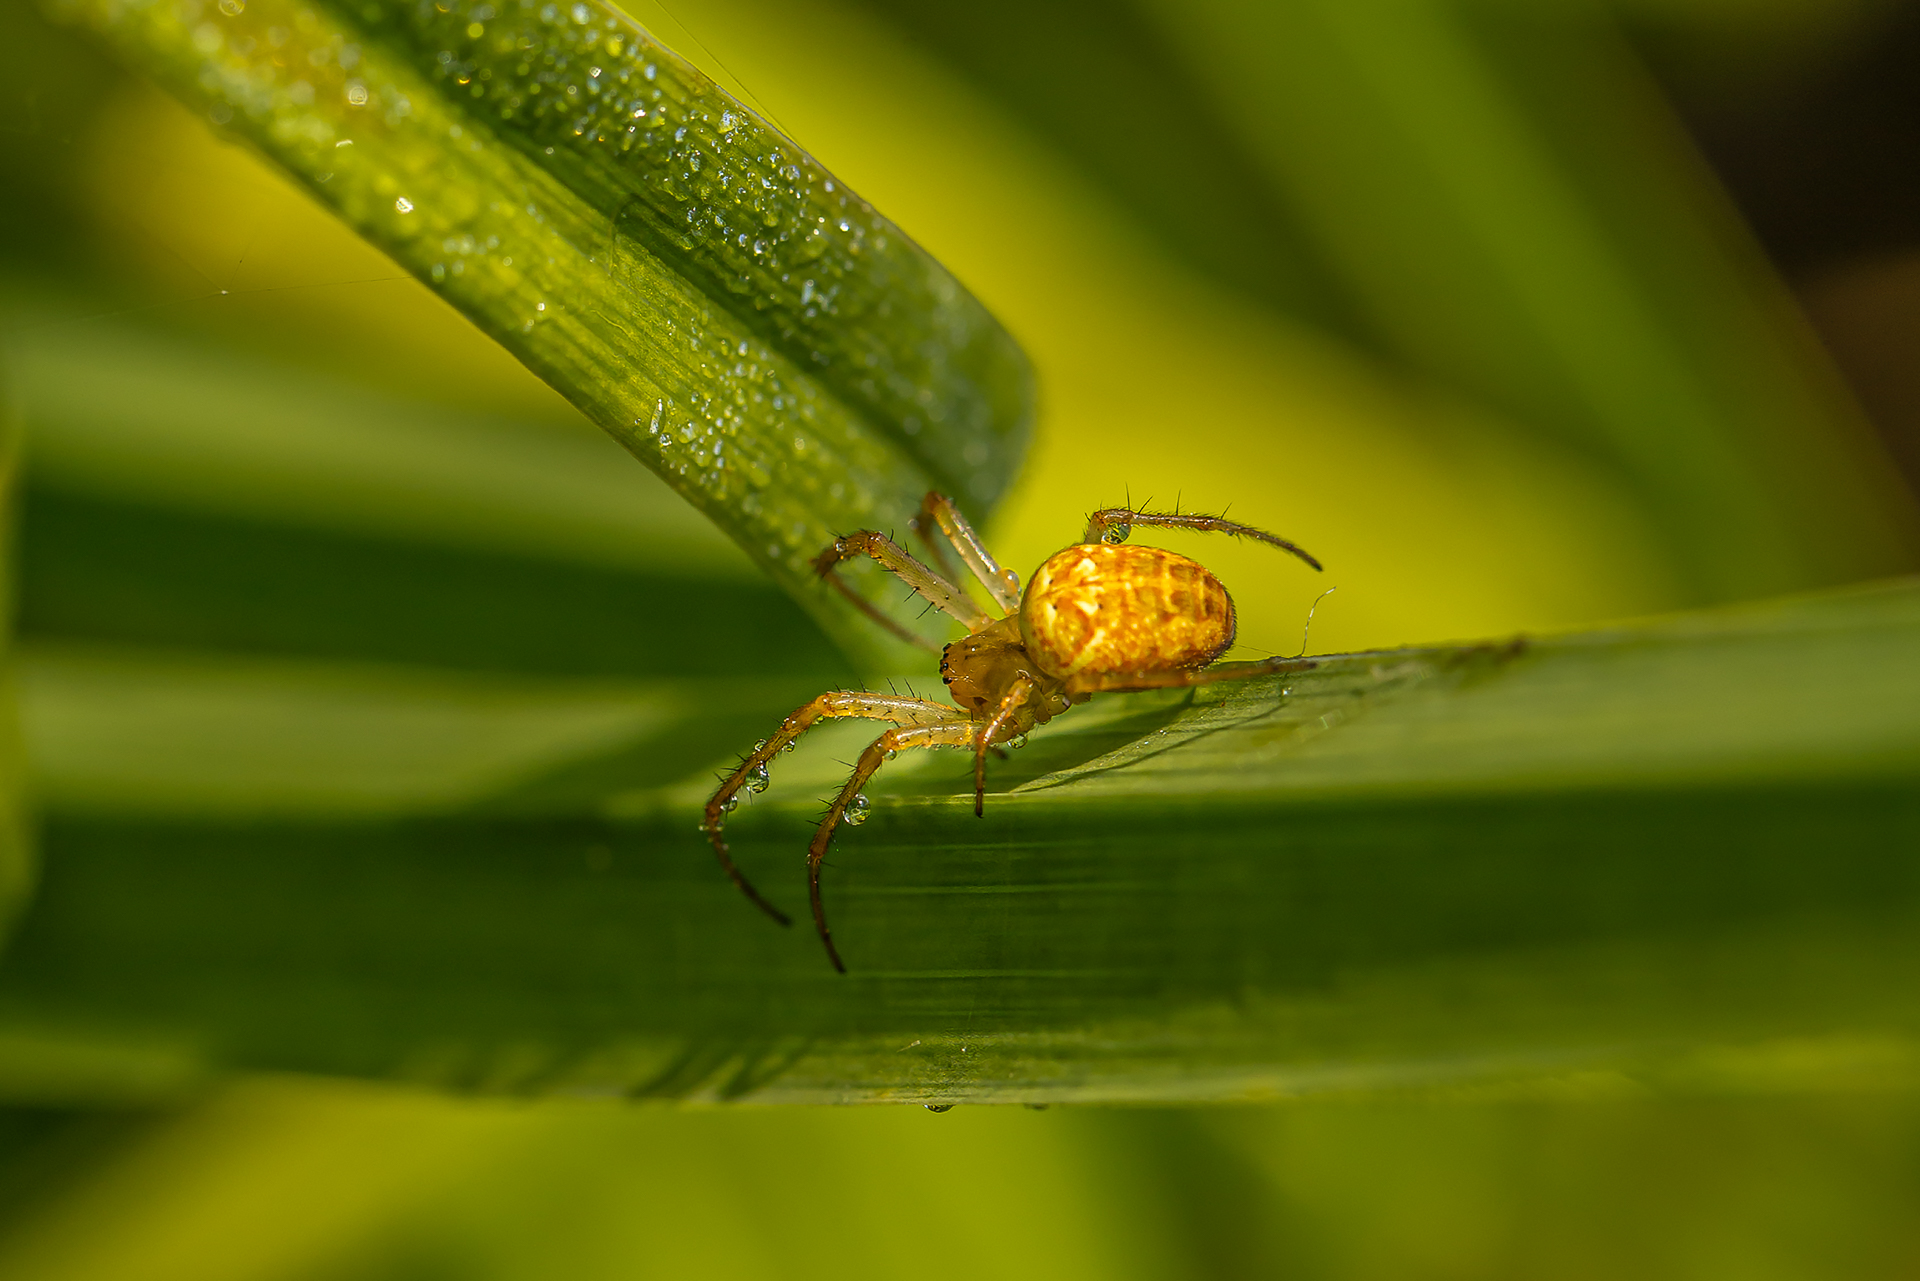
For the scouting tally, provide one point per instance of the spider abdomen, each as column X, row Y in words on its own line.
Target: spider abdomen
column 1101, row 608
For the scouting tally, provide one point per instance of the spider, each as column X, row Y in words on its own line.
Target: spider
column 1096, row 618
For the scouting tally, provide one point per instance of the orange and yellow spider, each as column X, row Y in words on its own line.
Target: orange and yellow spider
column 1098, row 617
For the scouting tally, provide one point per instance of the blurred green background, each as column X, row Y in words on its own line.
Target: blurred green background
column 1520, row 316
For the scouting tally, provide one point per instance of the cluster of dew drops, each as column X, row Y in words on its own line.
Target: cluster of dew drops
column 760, row 777
column 762, row 208
column 750, row 208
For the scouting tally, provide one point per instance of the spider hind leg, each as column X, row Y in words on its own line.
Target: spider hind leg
column 1132, row 682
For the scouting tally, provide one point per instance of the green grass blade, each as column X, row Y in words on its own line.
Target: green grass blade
column 180, row 500
column 1676, row 853
column 1505, row 199
column 788, row 360
column 16, row 842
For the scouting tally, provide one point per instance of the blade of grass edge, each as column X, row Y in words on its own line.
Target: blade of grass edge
column 1676, row 854
column 784, row 357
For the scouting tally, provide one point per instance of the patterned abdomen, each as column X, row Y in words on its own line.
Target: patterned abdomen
column 1103, row 608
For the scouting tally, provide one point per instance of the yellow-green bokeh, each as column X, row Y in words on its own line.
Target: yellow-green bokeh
column 1437, row 518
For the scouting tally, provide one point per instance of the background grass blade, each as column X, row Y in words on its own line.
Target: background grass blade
column 1675, row 851
column 16, row 841
column 1503, row 200
column 788, row 360
column 1493, row 198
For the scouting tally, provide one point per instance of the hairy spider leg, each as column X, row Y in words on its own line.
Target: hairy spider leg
column 1128, row 682
column 1113, row 524
column 954, row 734
column 924, row 525
column 1017, row 695
column 843, row 703
column 1001, row 584
column 894, row 558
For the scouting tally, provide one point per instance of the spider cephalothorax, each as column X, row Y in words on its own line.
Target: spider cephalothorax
column 1098, row 617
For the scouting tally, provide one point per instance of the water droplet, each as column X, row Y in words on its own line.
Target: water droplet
column 733, row 803
column 890, row 754
column 757, row 779
column 403, row 205
column 789, row 745
column 356, row 94
column 1017, row 742
column 856, row 810
column 939, row 1107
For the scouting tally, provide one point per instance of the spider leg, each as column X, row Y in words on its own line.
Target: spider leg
column 1001, row 584
column 1017, row 695
column 878, row 707
column 924, row 525
column 1125, row 682
column 953, row 734
column 1113, row 524
column 894, row 558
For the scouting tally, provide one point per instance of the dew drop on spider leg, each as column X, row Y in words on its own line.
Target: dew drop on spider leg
column 856, row 810
column 889, row 754
column 731, row 804
column 1017, row 742
column 757, row 779
column 789, row 745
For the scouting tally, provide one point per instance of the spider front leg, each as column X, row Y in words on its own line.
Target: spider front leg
column 894, row 558
column 752, row 772
column 960, row 733
column 938, row 512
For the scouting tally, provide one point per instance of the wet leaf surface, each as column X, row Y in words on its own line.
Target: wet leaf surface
column 1676, row 853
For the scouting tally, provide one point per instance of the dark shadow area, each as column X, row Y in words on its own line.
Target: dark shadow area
column 47, row 1151
column 1820, row 149
column 359, row 949
column 93, row 569
column 1823, row 158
